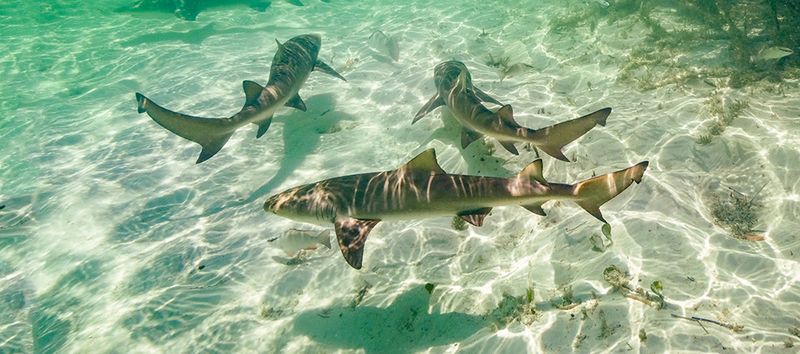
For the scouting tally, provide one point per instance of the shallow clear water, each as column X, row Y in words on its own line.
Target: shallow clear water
column 113, row 240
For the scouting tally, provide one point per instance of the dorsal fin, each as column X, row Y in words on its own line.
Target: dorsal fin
column 280, row 46
column 534, row 171
column 506, row 113
column 425, row 161
column 251, row 91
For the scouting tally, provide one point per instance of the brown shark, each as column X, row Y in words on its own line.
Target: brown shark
column 455, row 90
column 291, row 66
column 421, row 189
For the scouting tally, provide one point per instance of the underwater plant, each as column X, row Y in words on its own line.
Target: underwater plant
column 722, row 115
column 738, row 213
column 620, row 282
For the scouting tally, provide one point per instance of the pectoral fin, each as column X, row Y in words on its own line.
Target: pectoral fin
column 432, row 104
column 475, row 216
column 468, row 137
column 263, row 126
column 352, row 234
column 321, row 66
column 509, row 145
column 296, row 102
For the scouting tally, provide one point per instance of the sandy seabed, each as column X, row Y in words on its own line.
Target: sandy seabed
column 113, row 240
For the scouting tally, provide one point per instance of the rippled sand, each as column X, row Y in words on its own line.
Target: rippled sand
column 112, row 239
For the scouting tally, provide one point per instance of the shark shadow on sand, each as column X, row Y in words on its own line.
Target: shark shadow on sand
column 194, row 36
column 406, row 326
column 189, row 9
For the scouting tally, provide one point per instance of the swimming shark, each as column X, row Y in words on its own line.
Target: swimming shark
column 291, row 66
column 455, row 90
column 421, row 189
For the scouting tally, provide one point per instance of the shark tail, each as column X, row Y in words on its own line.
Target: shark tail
column 553, row 138
column 210, row 133
column 595, row 191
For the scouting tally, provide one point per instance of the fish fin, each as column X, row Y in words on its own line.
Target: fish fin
column 352, row 234
column 506, row 114
column 509, row 145
column 468, row 137
column 534, row 172
column 535, row 208
column 263, row 126
column 280, row 45
column 462, row 82
column 553, row 138
column 593, row 192
column 475, row 216
column 252, row 90
column 485, row 97
column 212, row 147
column 432, row 104
column 321, row 66
column 296, row 102
column 210, row 133
column 324, row 238
column 295, row 2
column 425, row 161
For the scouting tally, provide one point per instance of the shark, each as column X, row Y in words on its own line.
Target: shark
column 293, row 63
column 455, row 90
column 355, row 204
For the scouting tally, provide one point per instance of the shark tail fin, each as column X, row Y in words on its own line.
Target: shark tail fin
column 210, row 133
column 595, row 191
column 553, row 138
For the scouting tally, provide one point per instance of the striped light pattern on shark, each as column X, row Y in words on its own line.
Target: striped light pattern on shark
column 291, row 66
column 455, row 90
column 421, row 189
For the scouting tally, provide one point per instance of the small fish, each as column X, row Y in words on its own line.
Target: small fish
column 294, row 240
column 386, row 45
column 773, row 53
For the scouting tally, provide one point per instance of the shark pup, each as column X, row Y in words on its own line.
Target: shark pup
column 454, row 89
column 421, row 189
column 293, row 62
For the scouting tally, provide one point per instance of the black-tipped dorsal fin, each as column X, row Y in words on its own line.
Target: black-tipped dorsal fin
column 296, row 102
column 534, row 171
column 469, row 136
column 252, row 90
column 352, row 234
column 321, row 66
column 475, row 216
column 432, row 104
column 425, row 161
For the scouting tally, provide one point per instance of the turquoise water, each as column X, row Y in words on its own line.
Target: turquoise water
column 113, row 240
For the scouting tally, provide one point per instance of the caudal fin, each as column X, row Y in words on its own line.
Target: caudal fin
column 595, row 191
column 210, row 133
column 553, row 138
